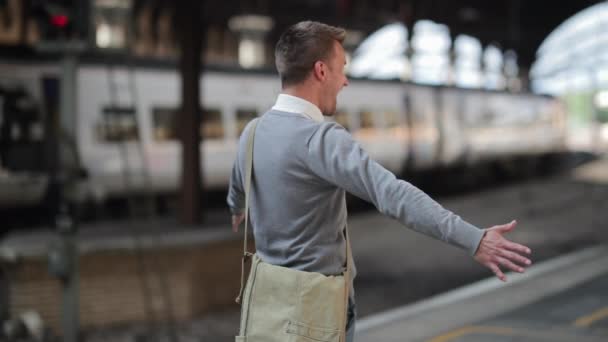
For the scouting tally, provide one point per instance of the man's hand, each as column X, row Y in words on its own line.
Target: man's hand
column 236, row 222
column 494, row 251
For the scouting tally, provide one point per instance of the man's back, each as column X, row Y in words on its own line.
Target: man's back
column 297, row 216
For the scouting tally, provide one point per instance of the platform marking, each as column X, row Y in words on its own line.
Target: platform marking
column 504, row 331
column 587, row 320
column 590, row 254
column 471, row 330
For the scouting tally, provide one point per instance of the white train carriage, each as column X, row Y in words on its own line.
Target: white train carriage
column 138, row 149
column 126, row 127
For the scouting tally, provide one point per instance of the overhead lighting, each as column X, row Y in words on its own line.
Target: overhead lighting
column 250, row 22
column 123, row 4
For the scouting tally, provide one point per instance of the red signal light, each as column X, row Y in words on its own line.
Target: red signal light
column 59, row 20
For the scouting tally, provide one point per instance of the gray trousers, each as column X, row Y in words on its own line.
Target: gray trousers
column 351, row 318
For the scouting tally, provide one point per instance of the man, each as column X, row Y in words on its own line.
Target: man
column 303, row 166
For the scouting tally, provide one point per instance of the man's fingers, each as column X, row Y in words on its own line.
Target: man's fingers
column 517, row 247
column 236, row 222
column 515, row 257
column 505, row 228
column 510, row 265
column 235, row 225
column 497, row 271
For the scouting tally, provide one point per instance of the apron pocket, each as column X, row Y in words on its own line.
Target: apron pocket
column 313, row 333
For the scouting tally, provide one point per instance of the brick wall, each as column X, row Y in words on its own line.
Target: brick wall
column 198, row 278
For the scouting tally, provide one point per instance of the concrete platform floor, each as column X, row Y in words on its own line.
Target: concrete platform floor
column 398, row 267
column 564, row 299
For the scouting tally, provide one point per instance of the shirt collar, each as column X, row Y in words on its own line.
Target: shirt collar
column 293, row 104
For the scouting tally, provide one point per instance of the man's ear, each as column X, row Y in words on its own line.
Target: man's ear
column 319, row 70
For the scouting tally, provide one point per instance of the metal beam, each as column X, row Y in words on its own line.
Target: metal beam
column 190, row 31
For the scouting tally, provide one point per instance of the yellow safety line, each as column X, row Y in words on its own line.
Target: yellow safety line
column 586, row 321
column 473, row 329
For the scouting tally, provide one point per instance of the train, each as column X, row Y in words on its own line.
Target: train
column 124, row 138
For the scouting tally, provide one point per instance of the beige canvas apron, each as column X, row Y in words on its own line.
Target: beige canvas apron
column 279, row 304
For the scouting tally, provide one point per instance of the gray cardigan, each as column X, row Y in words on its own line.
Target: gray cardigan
column 301, row 170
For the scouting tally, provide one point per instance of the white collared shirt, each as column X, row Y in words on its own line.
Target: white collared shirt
column 294, row 104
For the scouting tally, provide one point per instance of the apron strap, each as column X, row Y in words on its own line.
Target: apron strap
column 248, row 168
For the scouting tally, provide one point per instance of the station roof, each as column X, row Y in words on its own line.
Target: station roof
column 510, row 24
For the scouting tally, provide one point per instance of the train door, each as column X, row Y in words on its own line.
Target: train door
column 453, row 141
column 424, row 133
column 110, row 137
column 473, row 121
column 372, row 112
column 23, row 176
column 240, row 97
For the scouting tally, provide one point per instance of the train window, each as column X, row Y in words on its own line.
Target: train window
column 243, row 116
column 391, row 119
column 341, row 117
column 117, row 124
column 367, row 119
column 165, row 124
column 211, row 125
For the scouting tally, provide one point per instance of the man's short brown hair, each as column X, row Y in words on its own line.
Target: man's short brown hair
column 301, row 45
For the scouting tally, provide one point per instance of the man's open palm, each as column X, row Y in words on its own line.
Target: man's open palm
column 495, row 251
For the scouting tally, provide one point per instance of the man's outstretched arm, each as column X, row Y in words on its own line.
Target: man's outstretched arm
column 337, row 158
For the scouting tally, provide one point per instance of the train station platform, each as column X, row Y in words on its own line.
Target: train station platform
column 563, row 299
column 138, row 274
